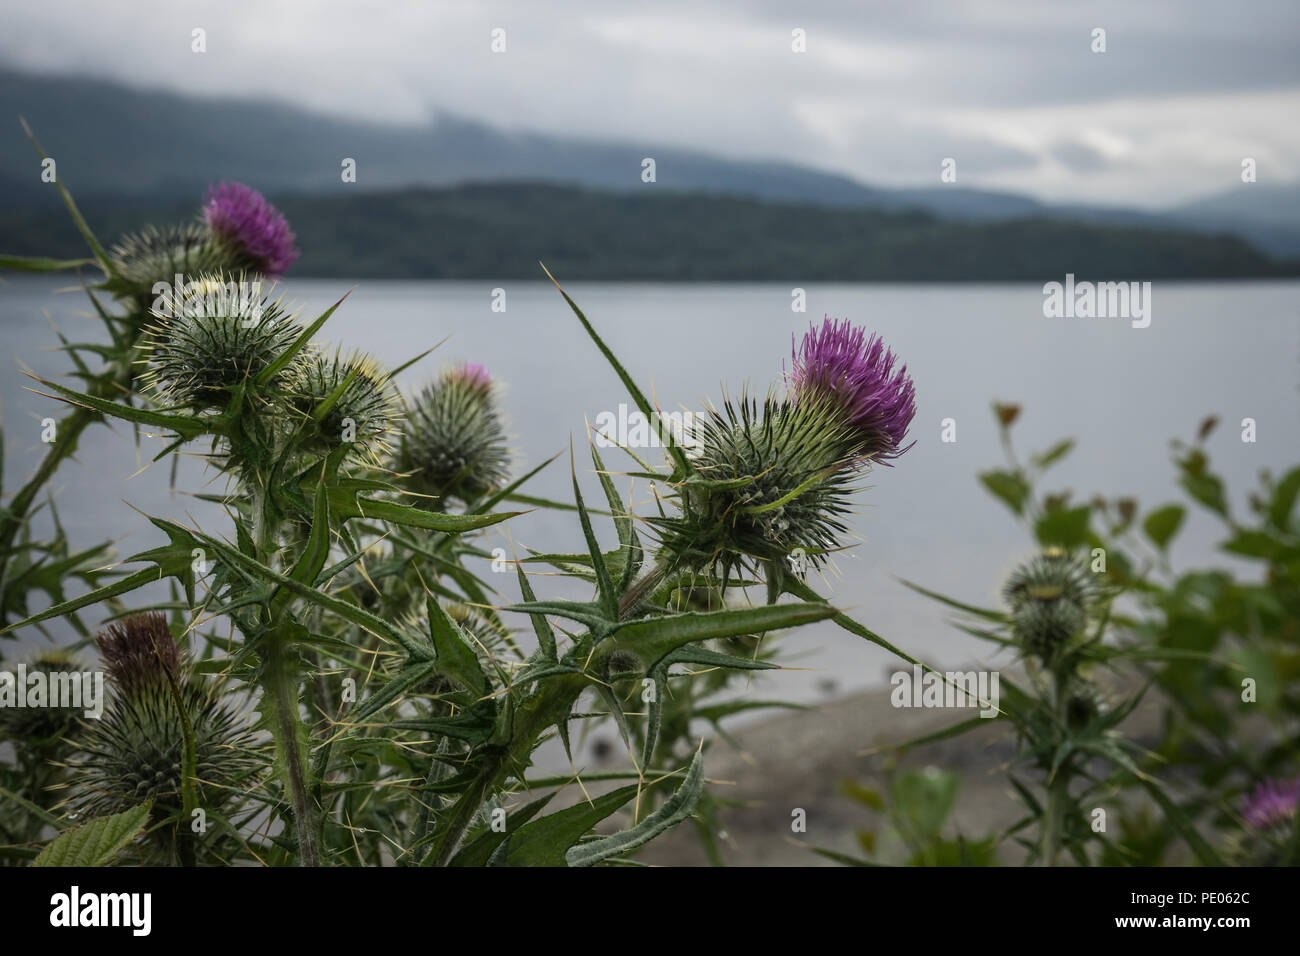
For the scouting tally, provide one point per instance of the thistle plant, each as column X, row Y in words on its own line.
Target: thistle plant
column 344, row 601
column 237, row 231
column 767, row 487
column 1061, row 623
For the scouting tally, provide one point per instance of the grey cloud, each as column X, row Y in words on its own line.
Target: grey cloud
column 1080, row 157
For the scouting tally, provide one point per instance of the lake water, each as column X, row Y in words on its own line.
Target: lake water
column 1225, row 349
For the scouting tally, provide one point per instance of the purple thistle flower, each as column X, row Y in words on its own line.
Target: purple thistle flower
column 839, row 363
column 242, row 216
column 473, row 375
column 1273, row 802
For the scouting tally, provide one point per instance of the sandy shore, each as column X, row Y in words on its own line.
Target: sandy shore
column 799, row 760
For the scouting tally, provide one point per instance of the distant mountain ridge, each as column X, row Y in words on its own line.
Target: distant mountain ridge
column 105, row 137
column 499, row 230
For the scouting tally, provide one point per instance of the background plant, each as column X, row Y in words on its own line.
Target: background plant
column 1193, row 639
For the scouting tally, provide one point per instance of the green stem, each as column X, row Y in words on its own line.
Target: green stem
column 1057, row 795
column 552, row 703
column 1058, row 789
column 281, row 691
column 281, row 687
column 189, row 770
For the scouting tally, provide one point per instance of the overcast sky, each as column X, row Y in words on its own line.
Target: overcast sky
column 886, row 90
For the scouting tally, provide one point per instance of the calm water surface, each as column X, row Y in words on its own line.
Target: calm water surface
column 1229, row 350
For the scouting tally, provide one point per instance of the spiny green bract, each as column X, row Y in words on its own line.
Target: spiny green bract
column 1049, row 597
column 211, row 338
column 454, row 443
column 340, row 399
column 134, row 752
column 158, row 255
column 791, row 475
column 483, row 634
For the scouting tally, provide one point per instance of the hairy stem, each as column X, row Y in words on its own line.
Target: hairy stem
column 281, row 691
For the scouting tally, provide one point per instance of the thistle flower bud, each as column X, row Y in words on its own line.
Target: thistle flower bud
column 158, row 255
column 239, row 231
column 772, row 481
column 839, row 365
column 213, row 336
column 487, row 634
column 242, row 219
column 1049, row 598
column 343, row 400
column 134, row 752
column 454, row 443
column 482, row 634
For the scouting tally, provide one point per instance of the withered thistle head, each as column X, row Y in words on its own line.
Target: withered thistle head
column 139, row 652
column 135, row 751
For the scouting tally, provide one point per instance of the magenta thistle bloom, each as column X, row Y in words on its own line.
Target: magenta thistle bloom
column 839, row 363
column 1273, row 802
column 243, row 217
column 473, row 375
